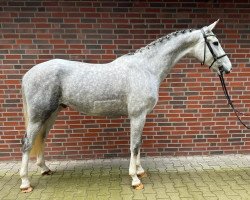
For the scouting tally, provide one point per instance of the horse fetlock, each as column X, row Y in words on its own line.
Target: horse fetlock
column 139, row 169
column 136, row 182
column 25, row 183
column 40, row 164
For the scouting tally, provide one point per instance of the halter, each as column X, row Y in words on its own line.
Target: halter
column 210, row 49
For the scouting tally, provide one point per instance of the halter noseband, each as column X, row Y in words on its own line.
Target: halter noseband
column 210, row 49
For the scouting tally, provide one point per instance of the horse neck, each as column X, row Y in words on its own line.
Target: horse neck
column 162, row 57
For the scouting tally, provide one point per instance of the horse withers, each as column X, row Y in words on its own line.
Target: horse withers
column 128, row 86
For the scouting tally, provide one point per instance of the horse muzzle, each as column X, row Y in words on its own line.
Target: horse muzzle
column 225, row 70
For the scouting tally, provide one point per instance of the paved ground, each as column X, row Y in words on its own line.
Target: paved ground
column 214, row 177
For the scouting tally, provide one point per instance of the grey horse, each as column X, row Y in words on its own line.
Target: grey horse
column 128, row 86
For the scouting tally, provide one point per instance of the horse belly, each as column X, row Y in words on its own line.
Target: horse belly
column 114, row 107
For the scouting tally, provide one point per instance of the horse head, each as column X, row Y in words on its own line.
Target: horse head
column 209, row 51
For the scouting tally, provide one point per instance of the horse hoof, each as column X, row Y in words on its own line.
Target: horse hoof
column 26, row 190
column 47, row 173
column 138, row 187
column 142, row 175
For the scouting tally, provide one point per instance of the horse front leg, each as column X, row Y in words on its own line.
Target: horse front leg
column 137, row 124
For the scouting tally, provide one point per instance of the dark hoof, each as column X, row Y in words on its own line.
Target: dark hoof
column 47, row 173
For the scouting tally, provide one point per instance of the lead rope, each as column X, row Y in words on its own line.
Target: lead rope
column 230, row 102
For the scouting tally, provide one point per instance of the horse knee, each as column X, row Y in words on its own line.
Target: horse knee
column 26, row 144
column 136, row 148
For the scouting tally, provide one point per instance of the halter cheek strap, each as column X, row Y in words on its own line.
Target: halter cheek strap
column 210, row 49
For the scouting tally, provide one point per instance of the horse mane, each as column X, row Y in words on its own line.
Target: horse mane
column 162, row 39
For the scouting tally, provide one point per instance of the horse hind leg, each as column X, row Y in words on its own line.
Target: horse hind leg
column 33, row 144
column 40, row 156
column 33, row 133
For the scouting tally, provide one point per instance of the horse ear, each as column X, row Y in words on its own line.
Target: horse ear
column 211, row 26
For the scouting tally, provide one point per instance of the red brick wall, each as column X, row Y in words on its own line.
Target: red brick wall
column 191, row 117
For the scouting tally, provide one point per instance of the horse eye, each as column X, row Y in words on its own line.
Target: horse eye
column 216, row 43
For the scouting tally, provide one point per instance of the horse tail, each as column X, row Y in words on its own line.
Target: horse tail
column 38, row 143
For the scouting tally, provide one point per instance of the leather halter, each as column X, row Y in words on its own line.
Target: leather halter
column 210, row 49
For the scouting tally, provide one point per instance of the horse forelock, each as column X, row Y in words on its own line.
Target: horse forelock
column 163, row 39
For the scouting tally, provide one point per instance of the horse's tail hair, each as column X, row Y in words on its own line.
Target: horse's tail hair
column 38, row 145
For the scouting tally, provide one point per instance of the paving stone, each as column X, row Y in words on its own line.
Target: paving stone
column 47, row 195
column 192, row 188
column 161, row 193
column 173, row 196
column 92, row 194
column 197, row 196
column 228, row 191
column 139, row 195
column 125, row 190
column 151, row 197
column 115, row 194
column 183, row 191
column 169, row 187
column 211, row 198
column 206, row 192
column 221, row 195
column 243, row 194
column 198, row 177
column 149, row 190
column 126, row 196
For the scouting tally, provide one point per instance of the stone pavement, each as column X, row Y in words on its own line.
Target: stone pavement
column 199, row 177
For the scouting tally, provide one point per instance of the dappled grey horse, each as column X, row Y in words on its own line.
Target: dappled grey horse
column 128, row 86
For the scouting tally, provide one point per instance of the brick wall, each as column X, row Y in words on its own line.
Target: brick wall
column 191, row 117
